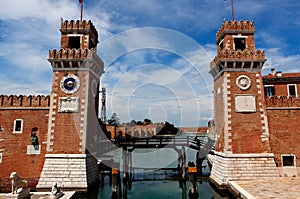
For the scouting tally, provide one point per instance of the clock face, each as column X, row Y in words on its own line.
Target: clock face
column 70, row 84
column 243, row 82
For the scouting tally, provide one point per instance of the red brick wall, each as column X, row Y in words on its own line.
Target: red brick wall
column 14, row 146
column 139, row 128
column 244, row 129
column 219, row 112
column 247, row 127
column 282, row 89
column 151, row 128
column 284, row 127
column 67, row 137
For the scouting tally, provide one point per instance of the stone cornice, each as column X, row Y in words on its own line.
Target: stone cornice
column 281, row 80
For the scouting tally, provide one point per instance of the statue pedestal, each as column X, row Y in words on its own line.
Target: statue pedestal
column 58, row 195
column 21, row 194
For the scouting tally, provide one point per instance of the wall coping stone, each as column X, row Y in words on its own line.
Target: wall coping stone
column 244, row 155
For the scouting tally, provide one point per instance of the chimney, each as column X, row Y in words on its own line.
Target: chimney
column 272, row 71
column 278, row 73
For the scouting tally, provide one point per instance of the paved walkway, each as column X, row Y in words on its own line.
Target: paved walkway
column 283, row 188
column 43, row 195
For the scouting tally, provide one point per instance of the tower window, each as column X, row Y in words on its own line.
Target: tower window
column 292, row 90
column 240, row 43
column 18, row 126
column 269, row 90
column 74, row 42
column 288, row 160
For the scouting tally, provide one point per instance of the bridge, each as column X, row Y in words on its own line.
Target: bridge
column 201, row 143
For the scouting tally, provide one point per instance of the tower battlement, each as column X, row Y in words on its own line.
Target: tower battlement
column 234, row 27
column 23, row 101
column 227, row 54
column 282, row 102
column 70, row 53
column 77, row 25
column 236, row 49
column 78, row 34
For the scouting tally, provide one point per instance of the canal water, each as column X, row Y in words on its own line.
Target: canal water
column 163, row 189
column 154, row 177
column 158, row 189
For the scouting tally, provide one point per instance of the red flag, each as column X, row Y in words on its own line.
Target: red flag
column 80, row 1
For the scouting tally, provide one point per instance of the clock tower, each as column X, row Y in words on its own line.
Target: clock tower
column 73, row 116
column 242, row 149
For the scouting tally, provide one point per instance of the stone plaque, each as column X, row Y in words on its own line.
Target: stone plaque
column 33, row 149
column 68, row 105
column 245, row 103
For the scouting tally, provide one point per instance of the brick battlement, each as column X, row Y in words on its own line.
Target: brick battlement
column 22, row 101
column 282, row 102
column 239, row 55
column 70, row 53
column 70, row 26
column 232, row 26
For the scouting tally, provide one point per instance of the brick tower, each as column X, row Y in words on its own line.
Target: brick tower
column 242, row 150
column 73, row 123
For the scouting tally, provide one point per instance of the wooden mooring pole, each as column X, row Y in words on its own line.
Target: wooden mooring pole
column 199, row 162
column 193, row 187
column 183, row 162
column 125, row 165
column 116, row 185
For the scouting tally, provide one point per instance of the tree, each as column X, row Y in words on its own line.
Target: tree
column 114, row 120
column 147, row 121
column 132, row 123
column 167, row 129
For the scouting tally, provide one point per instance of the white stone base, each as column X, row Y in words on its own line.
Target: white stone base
column 70, row 172
column 236, row 167
column 22, row 194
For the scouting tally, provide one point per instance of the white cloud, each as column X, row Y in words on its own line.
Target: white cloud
column 281, row 62
column 28, row 30
column 174, row 64
column 44, row 10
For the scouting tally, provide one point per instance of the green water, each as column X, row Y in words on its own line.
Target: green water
column 158, row 189
column 156, row 184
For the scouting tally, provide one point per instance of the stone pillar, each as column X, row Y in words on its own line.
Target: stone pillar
column 227, row 167
column 70, row 171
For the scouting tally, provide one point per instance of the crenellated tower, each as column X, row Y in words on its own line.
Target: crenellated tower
column 73, row 117
column 239, row 109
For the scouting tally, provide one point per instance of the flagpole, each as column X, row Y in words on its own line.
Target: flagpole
column 232, row 10
column 81, row 9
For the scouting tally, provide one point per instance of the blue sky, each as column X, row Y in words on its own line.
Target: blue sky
column 156, row 52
